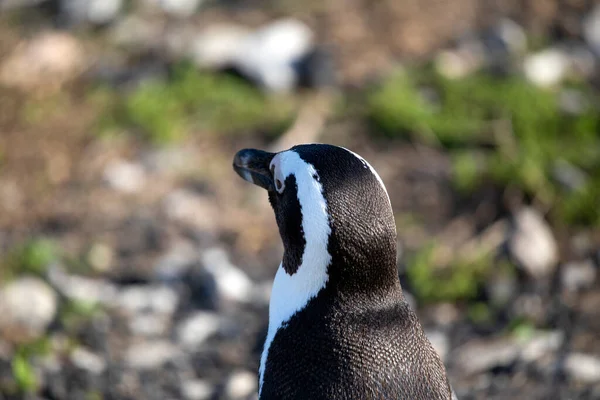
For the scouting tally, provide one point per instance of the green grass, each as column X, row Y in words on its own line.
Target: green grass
column 31, row 257
column 193, row 101
column 502, row 130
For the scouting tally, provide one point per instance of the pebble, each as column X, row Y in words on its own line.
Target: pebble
column 46, row 61
column 88, row 361
column 136, row 33
column 546, row 68
column 152, row 354
column 478, row 356
column 125, row 176
column 541, row 344
column 583, row 367
column 197, row 390
column 578, row 275
column 180, row 8
column 591, row 29
column 80, row 288
column 532, row 243
column 240, row 385
column 148, row 325
column 94, row 11
column 568, row 175
column 148, row 298
column 13, row 4
column 175, row 263
column 573, row 102
column 268, row 55
column 100, row 257
column 27, row 306
column 195, row 329
column 232, row 283
column 187, row 207
column 217, row 46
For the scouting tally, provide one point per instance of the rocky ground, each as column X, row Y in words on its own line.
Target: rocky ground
column 135, row 264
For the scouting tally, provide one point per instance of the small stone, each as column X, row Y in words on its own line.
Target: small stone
column 100, row 257
column 268, row 55
column 568, row 175
column 478, row 356
column 80, row 288
column 149, row 298
column 451, row 64
column 217, row 46
column 187, row 207
column 578, row 275
column 176, row 262
column 198, row 327
column 591, row 29
column 135, row 32
column 582, row 61
column 501, row 288
column 95, row 11
column 14, row 4
column 232, row 283
column 542, row 344
column 546, row 68
column 88, row 361
column 583, row 367
column 532, row 243
column 511, row 35
column 240, row 385
column 180, row 8
column 124, row 176
column 27, row 306
column 573, row 102
column 148, row 325
column 440, row 342
column 197, row 390
column 47, row 61
column 151, row 355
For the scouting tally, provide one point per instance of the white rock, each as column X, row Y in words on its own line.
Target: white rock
column 100, row 257
column 187, row 207
column 180, row 8
column 532, row 243
column 591, row 29
column 198, row 327
column 94, row 11
column 546, row 68
column 578, row 275
column 148, row 325
column 232, row 283
column 175, row 262
column 451, row 64
column 88, row 361
column 583, row 367
column 218, row 45
column 48, row 60
column 512, row 36
column 148, row 298
column 80, row 288
column 149, row 355
column 27, row 304
column 241, row 384
column 440, row 342
column 541, row 344
column 197, row 390
column 125, row 176
column 136, row 32
column 267, row 56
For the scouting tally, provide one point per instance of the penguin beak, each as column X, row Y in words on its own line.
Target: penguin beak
column 253, row 166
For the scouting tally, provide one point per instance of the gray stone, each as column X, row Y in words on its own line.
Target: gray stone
column 532, row 243
column 591, row 29
column 268, row 55
column 547, row 67
column 568, row 175
column 187, row 207
column 197, row 390
column 477, row 355
column 93, row 11
column 151, row 355
column 125, row 176
column 501, row 288
column 573, row 102
column 583, row 367
column 14, row 4
column 100, row 257
column 148, row 298
column 80, row 288
column 149, row 325
column 232, row 283
column 541, row 344
column 175, row 263
column 578, row 275
column 240, row 385
column 511, row 35
column 195, row 329
column 136, row 32
column 88, row 361
column 27, row 306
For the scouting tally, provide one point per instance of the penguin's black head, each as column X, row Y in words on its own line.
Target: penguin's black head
column 333, row 213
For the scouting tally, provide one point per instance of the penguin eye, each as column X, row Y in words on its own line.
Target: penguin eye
column 279, row 186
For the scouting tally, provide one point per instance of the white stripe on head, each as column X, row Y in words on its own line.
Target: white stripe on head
column 291, row 293
column 367, row 165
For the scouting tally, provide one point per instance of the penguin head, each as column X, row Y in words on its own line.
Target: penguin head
column 334, row 216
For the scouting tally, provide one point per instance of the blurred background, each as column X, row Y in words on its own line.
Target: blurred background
column 135, row 264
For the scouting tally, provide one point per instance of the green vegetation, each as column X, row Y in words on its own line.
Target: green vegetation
column 503, row 130
column 23, row 372
column 32, row 257
column 460, row 279
column 166, row 111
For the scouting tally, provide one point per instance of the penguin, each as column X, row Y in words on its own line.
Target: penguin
column 339, row 325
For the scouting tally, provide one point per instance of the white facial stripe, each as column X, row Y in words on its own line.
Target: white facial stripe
column 291, row 293
column 367, row 165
